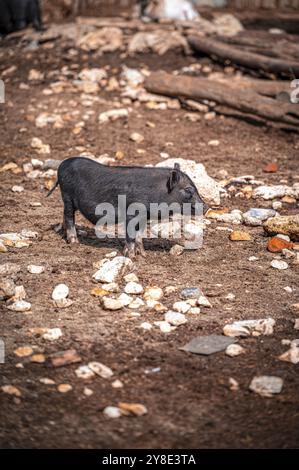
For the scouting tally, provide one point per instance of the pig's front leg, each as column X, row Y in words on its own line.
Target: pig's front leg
column 139, row 249
column 69, row 221
column 134, row 244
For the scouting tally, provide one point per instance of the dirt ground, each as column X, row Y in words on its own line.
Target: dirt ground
column 188, row 399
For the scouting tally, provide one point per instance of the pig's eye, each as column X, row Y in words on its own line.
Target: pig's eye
column 189, row 192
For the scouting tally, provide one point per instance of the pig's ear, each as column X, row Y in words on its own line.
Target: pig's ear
column 174, row 177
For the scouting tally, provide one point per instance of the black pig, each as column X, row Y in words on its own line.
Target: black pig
column 85, row 183
column 17, row 14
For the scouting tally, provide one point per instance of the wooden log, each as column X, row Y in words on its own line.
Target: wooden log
column 251, row 60
column 245, row 100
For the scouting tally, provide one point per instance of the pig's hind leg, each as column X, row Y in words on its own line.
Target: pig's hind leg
column 69, row 221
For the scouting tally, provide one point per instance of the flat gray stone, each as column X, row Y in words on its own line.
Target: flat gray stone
column 207, row 345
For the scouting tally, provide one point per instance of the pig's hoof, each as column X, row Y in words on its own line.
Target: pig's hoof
column 140, row 251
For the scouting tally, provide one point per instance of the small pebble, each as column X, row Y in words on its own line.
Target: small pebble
column 64, row 388
column 279, row 264
column 112, row 412
column 175, row 318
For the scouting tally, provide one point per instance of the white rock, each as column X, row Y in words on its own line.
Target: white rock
column 20, row 306
column 125, row 299
column 279, row 264
column 230, row 296
column 112, row 412
column 233, row 384
column 136, row 137
column 203, row 301
column 131, row 277
column 233, row 217
column 296, row 324
column 283, row 237
column 146, row 325
column 175, row 318
column 133, row 288
column 100, row 369
column 113, row 115
column 214, row 143
column 292, row 355
column 117, row 384
column 250, row 327
column 113, row 269
column 253, row 258
column 19, row 294
column 234, row 350
column 164, row 326
column 288, row 289
column 93, row 75
column 276, row 205
column 111, row 304
column 53, row 334
column 272, row 192
column 181, row 306
column 112, row 254
column 153, row 293
column 84, row 372
column 17, row 189
column 87, row 391
column 46, row 381
column 206, row 186
column 34, row 269
column 194, row 310
column 136, row 303
column 176, row 250
column 266, row 385
column 111, row 287
column 61, row 291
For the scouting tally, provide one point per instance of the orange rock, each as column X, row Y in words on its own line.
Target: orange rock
column 276, row 245
column 288, row 200
column 99, row 292
column 132, row 409
column 213, row 213
column 239, row 236
column 271, row 168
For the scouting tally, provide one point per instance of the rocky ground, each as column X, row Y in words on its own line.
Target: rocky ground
column 124, row 380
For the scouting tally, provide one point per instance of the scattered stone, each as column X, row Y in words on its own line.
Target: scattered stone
column 3, row 248
column 20, row 306
column 136, row 303
column 125, row 299
column 287, row 225
column 33, row 269
column 207, row 345
column 135, row 137
column 253, row 258
column 277, row 244
column 266, row 385
column 175, row 318
column 194, row 310
column 24, row 351
column 100, row 369
column 84, row 372
column 99, row 292
column 277, row 205
column 7, row 289
column 238, row 235
column 132, row 409
column 146, row 325
column 111, row 287
column 112, row 412
column 113, row 269
column 133, row 288
column 250, row 327
column 64, row 358
column 203, row 302
column 176, row 250
column 234, row 217
column 17, row 189
column 64, row 388
column 255, row 217
column 153, row 293
column 117, row 384
column 87, row 392
column 292, row 355
column 52, row 334
column 288, row 289
column 234, row 350
column 279, row 264
column 233, row 384
column 11, row 390
column 61, row 291
column 39, row 146
column 271, row 168
column 207, row 187
column 164, row 326
column 190, row 293
column 109, row 303
column 181, row 307
column 113, row 115
column 131, row 277
column 214, row 143
column 46, row 381
column 38, row 358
